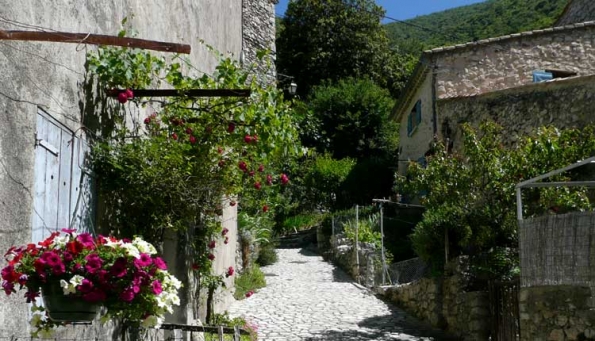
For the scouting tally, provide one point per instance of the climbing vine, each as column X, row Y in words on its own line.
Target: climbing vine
column 174, row 169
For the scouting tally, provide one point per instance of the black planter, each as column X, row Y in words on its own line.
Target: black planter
column 67, row 308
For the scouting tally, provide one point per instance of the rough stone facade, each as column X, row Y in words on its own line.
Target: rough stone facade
column 564, row 103
column 259, row 34
column 509, row 61
column 556, row 313
column 445, row 303
column 577, row 11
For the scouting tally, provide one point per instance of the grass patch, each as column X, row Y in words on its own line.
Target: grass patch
column 251, row 279
column 302, row 222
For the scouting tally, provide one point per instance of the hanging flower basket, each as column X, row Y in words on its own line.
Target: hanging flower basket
column 62, row 308
column 76, row 274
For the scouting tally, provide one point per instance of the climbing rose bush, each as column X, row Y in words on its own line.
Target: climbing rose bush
column 125, row 276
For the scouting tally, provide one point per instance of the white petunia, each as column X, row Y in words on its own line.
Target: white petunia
column 131, row 250
column 60, row 241
column 143, row 246
column 36, row 320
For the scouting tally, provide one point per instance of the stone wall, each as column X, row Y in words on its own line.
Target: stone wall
column 367, row 270
column 259, row 34
column 577, row 11
column 565, row 103
column 445, row 303
column 556, row 313
column 506, row 62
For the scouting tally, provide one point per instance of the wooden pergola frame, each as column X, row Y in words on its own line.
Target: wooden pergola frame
column 94, row 39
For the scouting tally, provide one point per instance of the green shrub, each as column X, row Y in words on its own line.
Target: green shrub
column 267, row 255
column 301, row 222
column 251, row 279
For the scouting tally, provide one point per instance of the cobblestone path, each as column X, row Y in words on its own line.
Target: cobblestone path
column 307, row 298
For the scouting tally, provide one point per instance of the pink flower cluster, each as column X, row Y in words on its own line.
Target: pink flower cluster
column 97, row 269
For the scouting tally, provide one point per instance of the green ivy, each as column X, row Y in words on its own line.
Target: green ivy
column 172, row 170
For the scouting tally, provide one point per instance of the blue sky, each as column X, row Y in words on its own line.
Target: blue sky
column 405, row 9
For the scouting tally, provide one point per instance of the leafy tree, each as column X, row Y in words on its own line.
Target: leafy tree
column 470, row 198
column 334, row 39
column 484, row 20
column 352, row 119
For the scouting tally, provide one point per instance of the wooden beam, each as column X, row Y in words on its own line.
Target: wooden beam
column 189, row 93
column 94, row 39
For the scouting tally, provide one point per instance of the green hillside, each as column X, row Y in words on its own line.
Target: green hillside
column 479, row 21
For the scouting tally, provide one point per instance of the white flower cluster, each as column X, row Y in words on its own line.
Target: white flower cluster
column 70, row 286
column 165, row 301
column 143, row 246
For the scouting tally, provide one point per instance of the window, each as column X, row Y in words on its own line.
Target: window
column 414, row 118
column 546, row 75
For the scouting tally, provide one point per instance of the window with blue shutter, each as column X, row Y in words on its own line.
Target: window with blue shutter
column 414, row 118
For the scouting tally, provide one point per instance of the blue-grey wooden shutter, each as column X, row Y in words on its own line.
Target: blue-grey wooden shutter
column 58, row 176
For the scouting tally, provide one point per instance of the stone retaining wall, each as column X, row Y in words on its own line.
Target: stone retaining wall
column 367, row 270
column 445, row 304
column 556, row 313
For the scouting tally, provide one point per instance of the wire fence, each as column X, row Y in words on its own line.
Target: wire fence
column 408, row 271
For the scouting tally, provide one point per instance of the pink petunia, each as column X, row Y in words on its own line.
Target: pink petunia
column 8, row 287
column 119, row 269
column 159, row 263
column 87, row 240
column 58, row 269
column 225, row 231
column 157, row 289
column 143, row 260
column 249, row 293
column 31, row 295
column 127, row 295
column 51, row 258
column 212, row 244
column 69, row 231
column 86, row 286
column 230, row 272
column 94, row 263
column 211, row 256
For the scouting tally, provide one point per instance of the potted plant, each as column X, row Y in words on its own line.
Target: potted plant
column 77, row 274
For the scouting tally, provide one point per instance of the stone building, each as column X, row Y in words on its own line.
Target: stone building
column 44, row 184
column 511, row 79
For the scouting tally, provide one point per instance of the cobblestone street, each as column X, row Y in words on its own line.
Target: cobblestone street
column 307, row 298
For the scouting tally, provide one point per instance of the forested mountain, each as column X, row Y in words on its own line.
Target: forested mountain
column 468, row 23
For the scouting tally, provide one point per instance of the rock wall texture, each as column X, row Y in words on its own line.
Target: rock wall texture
column 365, row 266
column 577, row 11
column 259, row 34
column 445, row 303
column 506, row 62
column 556, row 313
column 565, row 103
